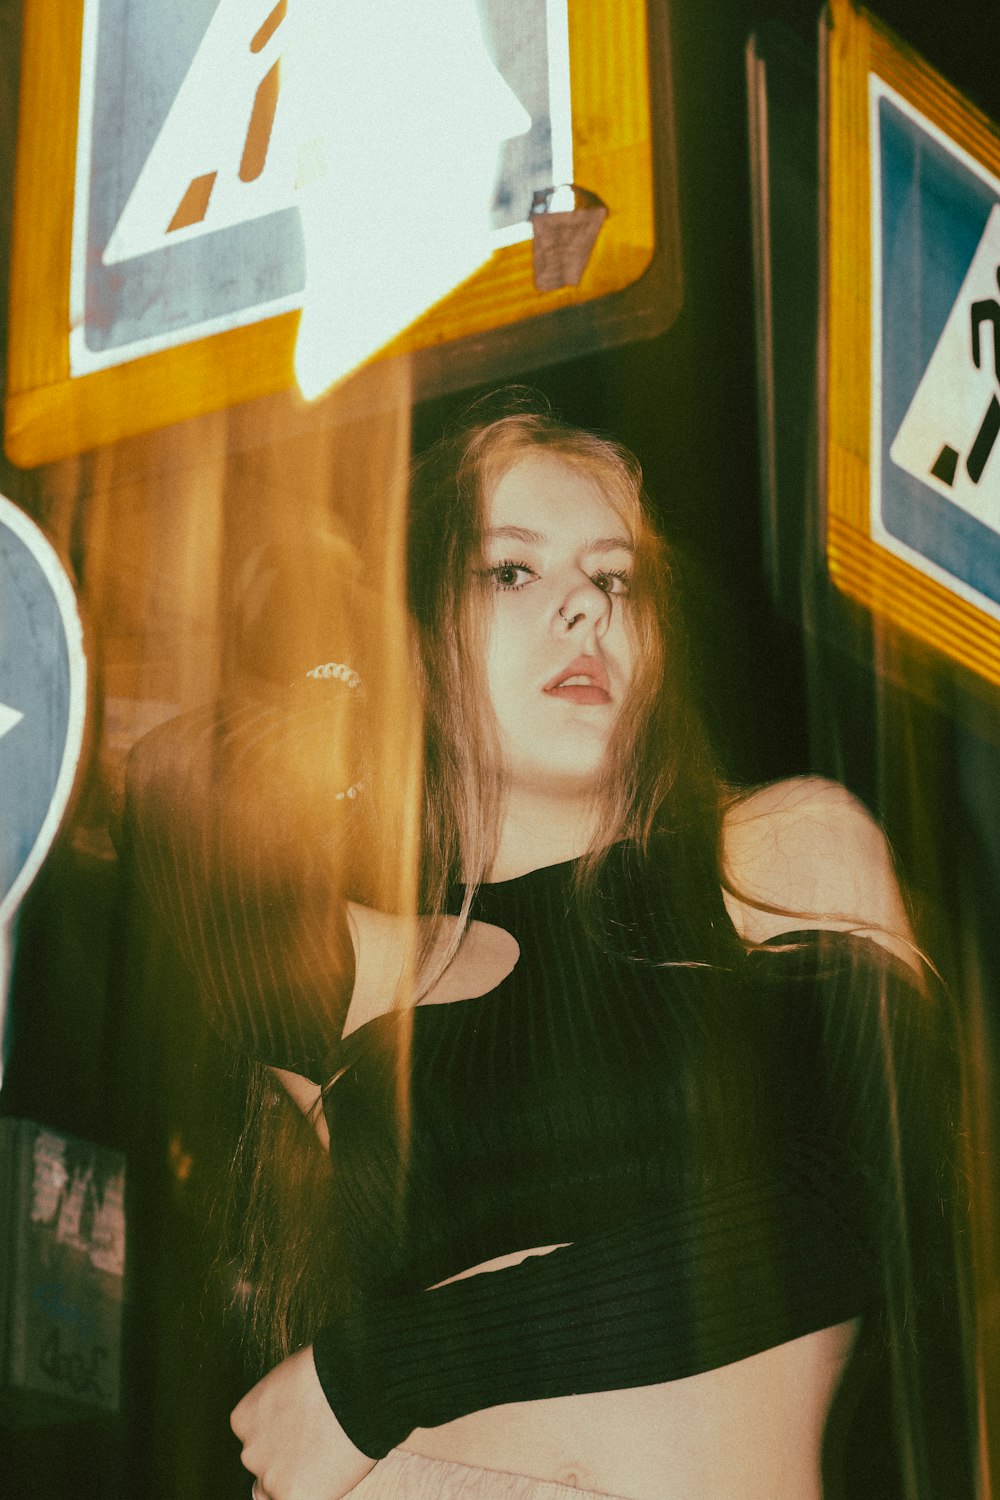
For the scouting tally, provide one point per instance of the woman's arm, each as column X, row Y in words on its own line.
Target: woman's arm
column 292, row 1442
column 679, row 1290
column 806, row 852
column 701, row 1281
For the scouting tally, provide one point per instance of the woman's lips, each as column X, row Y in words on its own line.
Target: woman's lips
column 580, row 692
column 584, row 680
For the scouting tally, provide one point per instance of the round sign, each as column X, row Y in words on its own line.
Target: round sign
column 43, row 681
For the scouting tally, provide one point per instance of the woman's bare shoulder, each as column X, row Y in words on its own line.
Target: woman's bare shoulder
column 806, row 852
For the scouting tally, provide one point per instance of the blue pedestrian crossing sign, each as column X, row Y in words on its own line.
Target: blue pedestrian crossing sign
column 43, row 677
column 913, row 345
column 936, row 334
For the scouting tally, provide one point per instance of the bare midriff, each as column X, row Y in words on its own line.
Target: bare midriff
column 752, row 1430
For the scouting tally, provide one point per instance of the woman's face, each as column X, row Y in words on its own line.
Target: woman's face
column 559, row 661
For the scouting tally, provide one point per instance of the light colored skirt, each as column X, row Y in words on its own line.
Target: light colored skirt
column 409, row 1476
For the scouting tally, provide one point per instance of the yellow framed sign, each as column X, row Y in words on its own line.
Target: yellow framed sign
column 157, row 261
column 913, row 344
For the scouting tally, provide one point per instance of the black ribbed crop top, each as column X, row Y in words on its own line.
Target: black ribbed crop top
column 585, row 1087
column 715, row 1140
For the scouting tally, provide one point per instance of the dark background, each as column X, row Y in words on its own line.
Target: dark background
column 785, row 690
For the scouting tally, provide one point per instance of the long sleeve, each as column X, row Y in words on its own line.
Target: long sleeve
column 691, row 1285
column 239, row 832
column 675, row 1292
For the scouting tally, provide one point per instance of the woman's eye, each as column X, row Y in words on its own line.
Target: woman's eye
column 612, row 582
column 510, row 575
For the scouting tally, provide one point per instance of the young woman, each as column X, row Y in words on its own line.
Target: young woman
column 645, row 1134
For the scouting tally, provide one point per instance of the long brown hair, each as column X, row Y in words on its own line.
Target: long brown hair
column 659, row 787
column 658, row 774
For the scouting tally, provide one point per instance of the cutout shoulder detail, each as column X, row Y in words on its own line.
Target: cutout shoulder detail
column 486, row 958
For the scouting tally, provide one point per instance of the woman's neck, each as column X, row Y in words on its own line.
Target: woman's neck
column 539, row 829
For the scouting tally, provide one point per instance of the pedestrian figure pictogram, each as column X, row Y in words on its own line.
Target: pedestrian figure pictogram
column 948, row 436
column 985, row 311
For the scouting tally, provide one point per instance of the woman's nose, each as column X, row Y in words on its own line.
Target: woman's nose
column 583, row 605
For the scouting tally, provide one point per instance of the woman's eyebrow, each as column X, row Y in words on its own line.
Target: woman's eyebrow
column 611, row 544
column 517, row 534
column 538, row 539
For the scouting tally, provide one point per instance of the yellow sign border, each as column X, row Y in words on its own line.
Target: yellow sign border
column 858, row 45
column 50, row 414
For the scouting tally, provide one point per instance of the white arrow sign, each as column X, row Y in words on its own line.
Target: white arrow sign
column 8, row 718
column 382, row 125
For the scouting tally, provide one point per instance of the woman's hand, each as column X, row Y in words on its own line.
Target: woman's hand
column 291, row 1439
